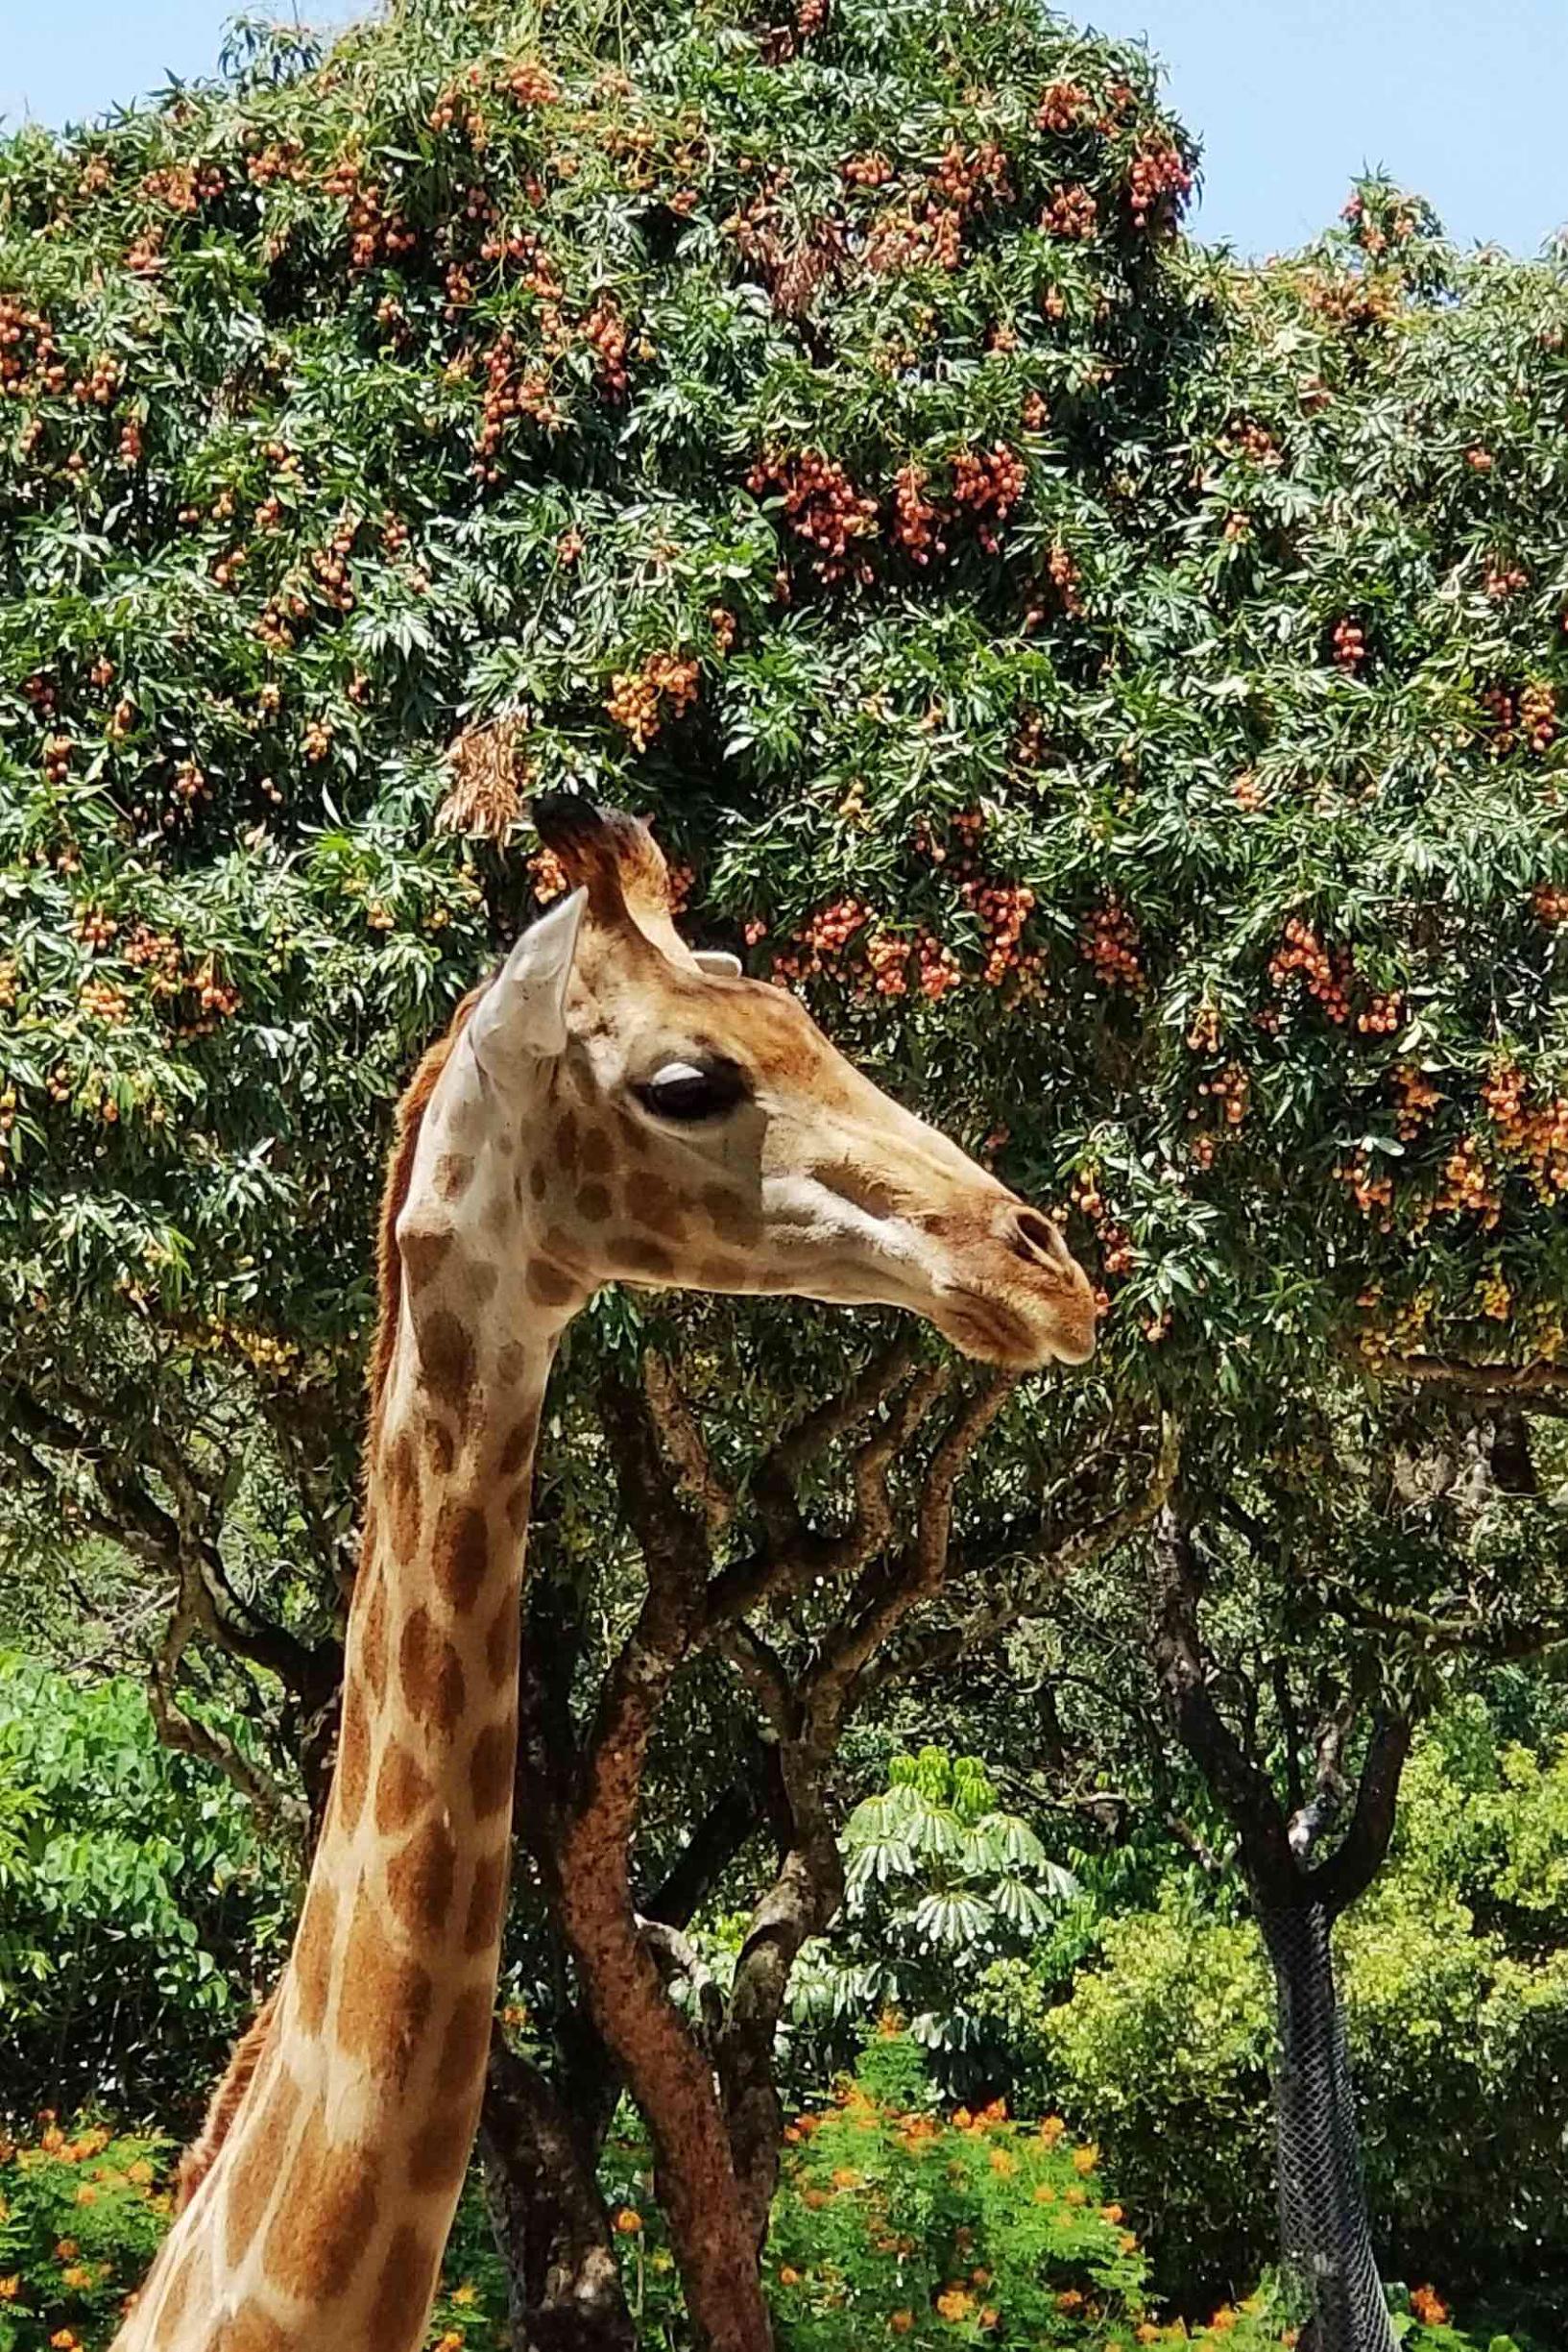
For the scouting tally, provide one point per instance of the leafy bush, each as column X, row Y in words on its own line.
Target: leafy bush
column 140, row 1914
column 1455, row 1977
column 938, row 1880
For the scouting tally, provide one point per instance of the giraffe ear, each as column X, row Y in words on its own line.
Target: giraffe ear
column 523, row 1011
column 718, row 961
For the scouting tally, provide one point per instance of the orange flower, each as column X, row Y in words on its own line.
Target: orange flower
column 955, row 2303
column 989, row 2316
column 1429, row 2306
column 67, row 2250
column 901, row 2322
column 1044, row 2194
column 1052, row 2130
column 1110, row 2212
column 628, row 2222
column 63, row 2341
column 1003, row 2161
column 788, row 2275
column 1071, row 2300
column 1085, row 2159
column 846, row 2177
column 11, row 2288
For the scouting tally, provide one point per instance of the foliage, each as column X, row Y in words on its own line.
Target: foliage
column 139, row 1912
column 1457, row 2012
column 81, row 2211
column 938, row 1881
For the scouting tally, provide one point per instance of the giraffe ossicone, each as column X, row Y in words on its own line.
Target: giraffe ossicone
column 612, row 1106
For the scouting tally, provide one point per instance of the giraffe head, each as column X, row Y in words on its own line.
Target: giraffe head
column 692, row 1127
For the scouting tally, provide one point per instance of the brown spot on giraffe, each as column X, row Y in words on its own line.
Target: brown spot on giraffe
column 402, row 1789
column 518, row 1449
column 594, row 1204
column 372, row 1635
column 439, row 2155
column 446, row 1368
column 510, row 1363
column 636, row 1255
column 652, row 1202
column 454, row 1174
column 430, row 1672
column 489, row 1768
column 465, row 2042
column 460, row 1555
column 338, row 2187
column 549, row 1285
column 251, row 2329
column 250, row 2185
column 312, row 1961
column 420, row 1880
column 408, row 2274
column 501, row 1642
column 598, row 1152
column 487, row 1899
column 426, row 1249
column 441, row 1445
column 733, row 1219
column 566, row 1143
column 353, row 1755
column 383, row 2001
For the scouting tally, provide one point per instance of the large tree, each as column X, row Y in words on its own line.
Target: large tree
column 1118, row 685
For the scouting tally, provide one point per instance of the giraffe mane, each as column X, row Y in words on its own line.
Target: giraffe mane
column 224, row 2104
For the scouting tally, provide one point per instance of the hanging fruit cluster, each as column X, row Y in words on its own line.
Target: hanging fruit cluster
column 823, row 507
column 640, row 700
column 1110, row 943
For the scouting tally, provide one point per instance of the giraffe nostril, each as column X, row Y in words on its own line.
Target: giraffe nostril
column 1036, row 1239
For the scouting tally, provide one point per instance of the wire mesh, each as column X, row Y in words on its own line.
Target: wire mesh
column 1324, row 2221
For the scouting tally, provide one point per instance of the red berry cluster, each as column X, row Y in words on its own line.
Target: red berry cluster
column 1249, row 793
column 969, row 180
column 1109, row 940
column 183, row 187
column 1231, row 1091
column 1158, row 184
column 330, row 565
column 916, row 519
column 1349, row 645
column 511, row 390
column 868, row 171
column 1502, row 580
column 1538, row 716
column 1550, row 902
column 823, row 507
column 279, row 159
column 56, row 752
column 1064, row 577
column 820, row 941
column 604, row 329
column 640, row 700
column 1072, row 212
column 529, row 84
column 1063, row 106
column 1003, row 908
column 375, row 235
column 1253, row 442
column 1327, row 977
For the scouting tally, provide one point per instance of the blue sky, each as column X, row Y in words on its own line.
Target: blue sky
column 1289, row 97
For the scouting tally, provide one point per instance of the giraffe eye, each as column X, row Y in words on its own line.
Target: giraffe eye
column 688, row 1091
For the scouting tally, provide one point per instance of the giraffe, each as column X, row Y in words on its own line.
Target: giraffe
column 610, row 1107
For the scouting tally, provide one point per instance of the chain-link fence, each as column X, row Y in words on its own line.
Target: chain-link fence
column 1327, row 2243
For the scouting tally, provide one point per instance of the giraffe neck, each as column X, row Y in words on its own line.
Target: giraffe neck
column 330, row 2203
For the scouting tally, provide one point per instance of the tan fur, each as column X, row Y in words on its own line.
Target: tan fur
column 199, row 2157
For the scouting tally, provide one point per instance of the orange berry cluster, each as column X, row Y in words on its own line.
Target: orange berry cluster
column 1382, row 1015
column 1231, row 1091
column 1003, row 910
column 546, row 875
column 182, row 188
column 279, row 159
column 1203, row 1036
column 1255, row 443
column 99, row 1000
column 1117, row 1255
column 1468, row 1186
column 57, row 750
column 1415, row 1099
column 1538, row 716
column 1549, row 901
column 458, row 108
column 375, row 235
column 640, row 700
column 1349, row 644
column 1373, row 1195
column 1109, row 940
column 867, row 171
column 1063, row 106
column 510, row 392
column 969, row 180
column 95, row 929
column 1249, row 793
column 989, row 483
column 100, row 383
column 28, row 356
column 823, row 507
column 1502, row 580
column 1535, row 1135
column 1479, row 460
column 1493, row 1296
column 529, row 84
column 330, row 565
column 723, row 625
column 316, row 741
column 1327, row 977
column 1158, row 184
column 1064, row 577
column 1072, row 212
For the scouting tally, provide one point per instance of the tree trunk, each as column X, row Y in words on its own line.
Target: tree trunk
column 1323, row 2216
column 552, row 2232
